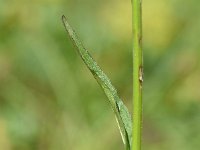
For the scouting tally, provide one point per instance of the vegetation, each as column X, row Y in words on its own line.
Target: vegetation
column 121, row 112
column 137, row 73
column 48, row 98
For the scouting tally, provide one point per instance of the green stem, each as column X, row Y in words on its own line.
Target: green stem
column 137, row 73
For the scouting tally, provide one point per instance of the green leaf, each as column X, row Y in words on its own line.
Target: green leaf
column 121, row 112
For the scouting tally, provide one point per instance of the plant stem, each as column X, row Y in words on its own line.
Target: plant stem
column 137, row 73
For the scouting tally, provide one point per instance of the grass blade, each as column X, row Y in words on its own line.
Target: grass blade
column 121, row 112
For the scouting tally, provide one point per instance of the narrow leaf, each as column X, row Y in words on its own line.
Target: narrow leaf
column 121, row 112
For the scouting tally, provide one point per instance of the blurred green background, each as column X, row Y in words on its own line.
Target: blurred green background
column 50, row 101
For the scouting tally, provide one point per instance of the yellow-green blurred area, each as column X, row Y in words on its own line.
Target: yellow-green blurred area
column 50, row 101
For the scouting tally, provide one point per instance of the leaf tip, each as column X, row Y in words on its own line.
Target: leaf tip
column 63, row 18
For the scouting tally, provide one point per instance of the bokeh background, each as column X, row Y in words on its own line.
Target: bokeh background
column 50, row 101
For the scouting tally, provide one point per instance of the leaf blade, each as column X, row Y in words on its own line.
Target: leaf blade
column 121, row 112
